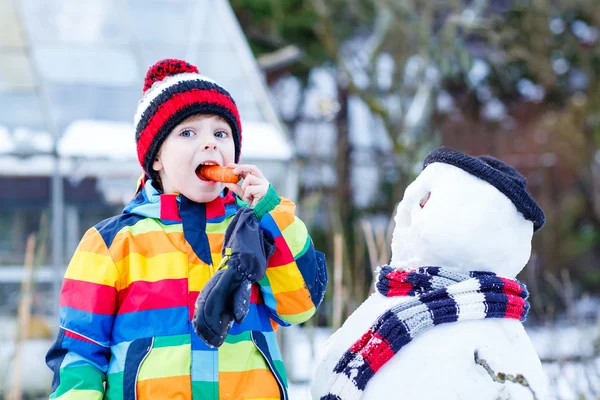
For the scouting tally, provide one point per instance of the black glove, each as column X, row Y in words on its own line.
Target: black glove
column 226, row 296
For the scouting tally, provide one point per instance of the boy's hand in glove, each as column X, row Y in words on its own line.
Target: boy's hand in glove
column 226, row 296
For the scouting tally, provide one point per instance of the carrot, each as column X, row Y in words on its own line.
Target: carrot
column 219, row 174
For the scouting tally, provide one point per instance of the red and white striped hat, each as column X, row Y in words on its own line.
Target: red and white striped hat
column 173, row 91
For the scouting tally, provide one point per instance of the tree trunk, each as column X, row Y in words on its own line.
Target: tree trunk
column 344, row 200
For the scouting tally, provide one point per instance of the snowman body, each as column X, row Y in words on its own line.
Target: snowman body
column 452, row 219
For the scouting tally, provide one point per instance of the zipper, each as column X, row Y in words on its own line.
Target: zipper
column 137, row 373
column 272, row 366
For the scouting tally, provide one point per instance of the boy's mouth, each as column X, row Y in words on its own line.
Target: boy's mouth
column 203, row 164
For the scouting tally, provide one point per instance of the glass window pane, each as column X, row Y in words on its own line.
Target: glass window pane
column 73, row 21
column 250, row 112
column 20, row 110
column 152, row 52
column 216, row 62
column 246, row 99
column 71, row 102
column 222, row 64
column 10, row 28
column 161, row 20
column 15, row 72
column 93, row 65
column 208, row 27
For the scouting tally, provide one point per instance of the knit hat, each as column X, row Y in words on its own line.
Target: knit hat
column 173, row 91
column 502, row 176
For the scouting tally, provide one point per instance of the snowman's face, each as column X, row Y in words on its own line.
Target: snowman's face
column 452, row 219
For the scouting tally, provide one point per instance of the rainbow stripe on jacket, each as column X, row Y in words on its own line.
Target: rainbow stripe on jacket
column 128, row 297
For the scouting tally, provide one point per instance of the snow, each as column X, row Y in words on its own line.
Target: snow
column 262, row 141
column 107, row 149
column 414, row 65
column 307, row 347
column 444, row 102
column 566, row 380
column 116, row 141
column 35, row 375
column 15, row 274
column 478, row 72
column 43, row 165
column 557, row 26
column 530, row 90
column 322, row 87
column 560, row 342
column 24, row 142
column 98, row 139
column 494, row 110
column 584, row 32
column 30, row 166
column 385, row 71
column 299, row 391
column 574, row 381
column 6, row 144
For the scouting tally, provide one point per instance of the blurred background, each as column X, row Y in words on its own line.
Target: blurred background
column 340, row 101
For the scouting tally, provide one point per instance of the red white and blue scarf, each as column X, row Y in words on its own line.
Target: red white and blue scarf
column 435, row 296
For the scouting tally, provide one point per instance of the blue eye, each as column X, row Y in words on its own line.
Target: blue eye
column 187, row 133
column 221, row 134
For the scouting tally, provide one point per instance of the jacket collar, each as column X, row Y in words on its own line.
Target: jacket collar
column 150, row 203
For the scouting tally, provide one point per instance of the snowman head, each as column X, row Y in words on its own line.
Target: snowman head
column 466, row 213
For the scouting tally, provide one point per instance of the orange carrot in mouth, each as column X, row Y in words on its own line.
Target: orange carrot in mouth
column 218, row 174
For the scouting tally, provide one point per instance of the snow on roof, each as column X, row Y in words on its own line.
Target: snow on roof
column 31, row 166
column 94, row 148
column 98, row 139
column 90, row 139
column 262, row 140
column 24, row 142
column 6, row 144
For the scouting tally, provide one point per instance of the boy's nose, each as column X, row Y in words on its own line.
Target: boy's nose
column 209, row 145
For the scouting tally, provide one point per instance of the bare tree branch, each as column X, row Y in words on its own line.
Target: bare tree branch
column 501, row 377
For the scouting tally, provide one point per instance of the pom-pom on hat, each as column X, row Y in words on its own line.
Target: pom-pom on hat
column 502, row 176
column 174, row 91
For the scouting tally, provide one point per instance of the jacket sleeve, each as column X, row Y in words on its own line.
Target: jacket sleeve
column 79, row 357
column 296, row 277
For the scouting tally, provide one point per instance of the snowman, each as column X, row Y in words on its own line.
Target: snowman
column 446, row 319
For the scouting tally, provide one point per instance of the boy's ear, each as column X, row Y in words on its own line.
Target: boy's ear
column 157, row 165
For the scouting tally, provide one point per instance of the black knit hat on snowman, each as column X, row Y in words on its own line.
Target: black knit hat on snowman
column 174, row 91
column 500, row 175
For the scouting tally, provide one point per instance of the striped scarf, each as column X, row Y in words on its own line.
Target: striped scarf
column 434, row 296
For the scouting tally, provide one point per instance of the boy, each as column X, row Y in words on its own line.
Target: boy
column 128, row 295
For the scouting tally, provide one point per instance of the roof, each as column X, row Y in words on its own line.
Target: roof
column 107, row 149
column 71, row 67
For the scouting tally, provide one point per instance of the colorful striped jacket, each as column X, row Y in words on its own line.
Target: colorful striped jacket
column 128, row 297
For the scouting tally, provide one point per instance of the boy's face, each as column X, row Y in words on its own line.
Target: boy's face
column 198, row 140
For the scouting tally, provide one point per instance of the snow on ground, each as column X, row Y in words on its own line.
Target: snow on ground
column 299, row 391
column 571, row 359
column 563, row 341
column 34, row 374
column 565, row 344
column 568, row 380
